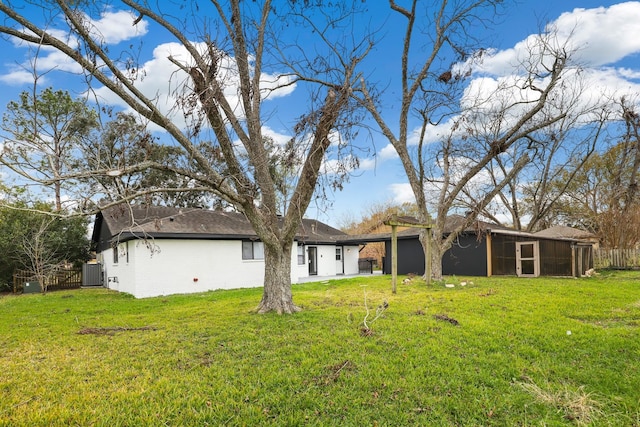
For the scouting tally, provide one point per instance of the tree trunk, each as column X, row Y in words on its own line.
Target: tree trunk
column 276, row 295
column 436, row 253
column 436, row 261
column 58, row 197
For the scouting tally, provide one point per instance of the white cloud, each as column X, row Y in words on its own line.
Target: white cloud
column 57, row 33
column 111, row 28
column 41, row 58
column 431, row 134
column 600, row 36
column 161, row 80
column 628, row 73
column 597, row 39
column 18, row 76
column 388, row 152
column 611, row 81
column 368, row 164
column 401, row 193
column 279, row 138
column 587, row 91
column 154, row 77
column 115, row 27
column 498, row 79
column 158, row 79
column 55, row 60
column 275, row 86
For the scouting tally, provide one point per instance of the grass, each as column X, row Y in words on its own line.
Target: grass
column 498, row 352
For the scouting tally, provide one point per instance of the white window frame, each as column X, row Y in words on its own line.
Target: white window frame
column 535, row 258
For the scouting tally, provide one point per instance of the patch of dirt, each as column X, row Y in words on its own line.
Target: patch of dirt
column 113, row 330
column 488, row 293
column 366, row 332
column 334, row 372
column 445, row 318
column 614, row 322
column 578, row 405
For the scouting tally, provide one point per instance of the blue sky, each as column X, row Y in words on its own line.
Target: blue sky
column 607, row 33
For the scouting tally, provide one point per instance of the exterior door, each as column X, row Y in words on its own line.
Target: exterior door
column 339, row 260
column 527, row 259
column 313, row 261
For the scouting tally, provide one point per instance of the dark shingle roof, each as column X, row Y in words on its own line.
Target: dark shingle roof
column 563, row 232
column 130, row 222
column 451, row 223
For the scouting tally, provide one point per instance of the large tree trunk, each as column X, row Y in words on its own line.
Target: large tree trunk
column 277, row 280
column 436, row 261
column 434, row 251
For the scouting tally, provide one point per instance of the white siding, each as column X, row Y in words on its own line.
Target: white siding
column 327, row 265
column 188, row 266
column 184, row 266
column 351, row 254
column 326, row 260
column 117, row 276
column 298, row 270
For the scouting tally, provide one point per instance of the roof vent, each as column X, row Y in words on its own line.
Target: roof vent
column 313, row 228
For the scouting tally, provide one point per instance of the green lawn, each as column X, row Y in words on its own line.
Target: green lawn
column 500, row 351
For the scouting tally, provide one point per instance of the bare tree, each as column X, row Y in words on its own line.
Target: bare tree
column 123, row 142
column 39, row 256
column 557, row 154
column 233, row 55
column 44, row 244
column 626, row 174
column 602, row 196
column 476, row 124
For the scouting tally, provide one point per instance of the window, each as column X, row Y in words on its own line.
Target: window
column 119, row 251
column 252, row 250
column 300, row 255
column 338, row 254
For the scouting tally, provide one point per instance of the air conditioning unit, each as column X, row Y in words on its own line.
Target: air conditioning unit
column 31, row 288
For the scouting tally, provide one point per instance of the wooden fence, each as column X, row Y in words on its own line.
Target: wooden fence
column 60, row 279
column 617, row 258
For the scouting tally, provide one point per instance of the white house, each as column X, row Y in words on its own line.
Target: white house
column 150, row 251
